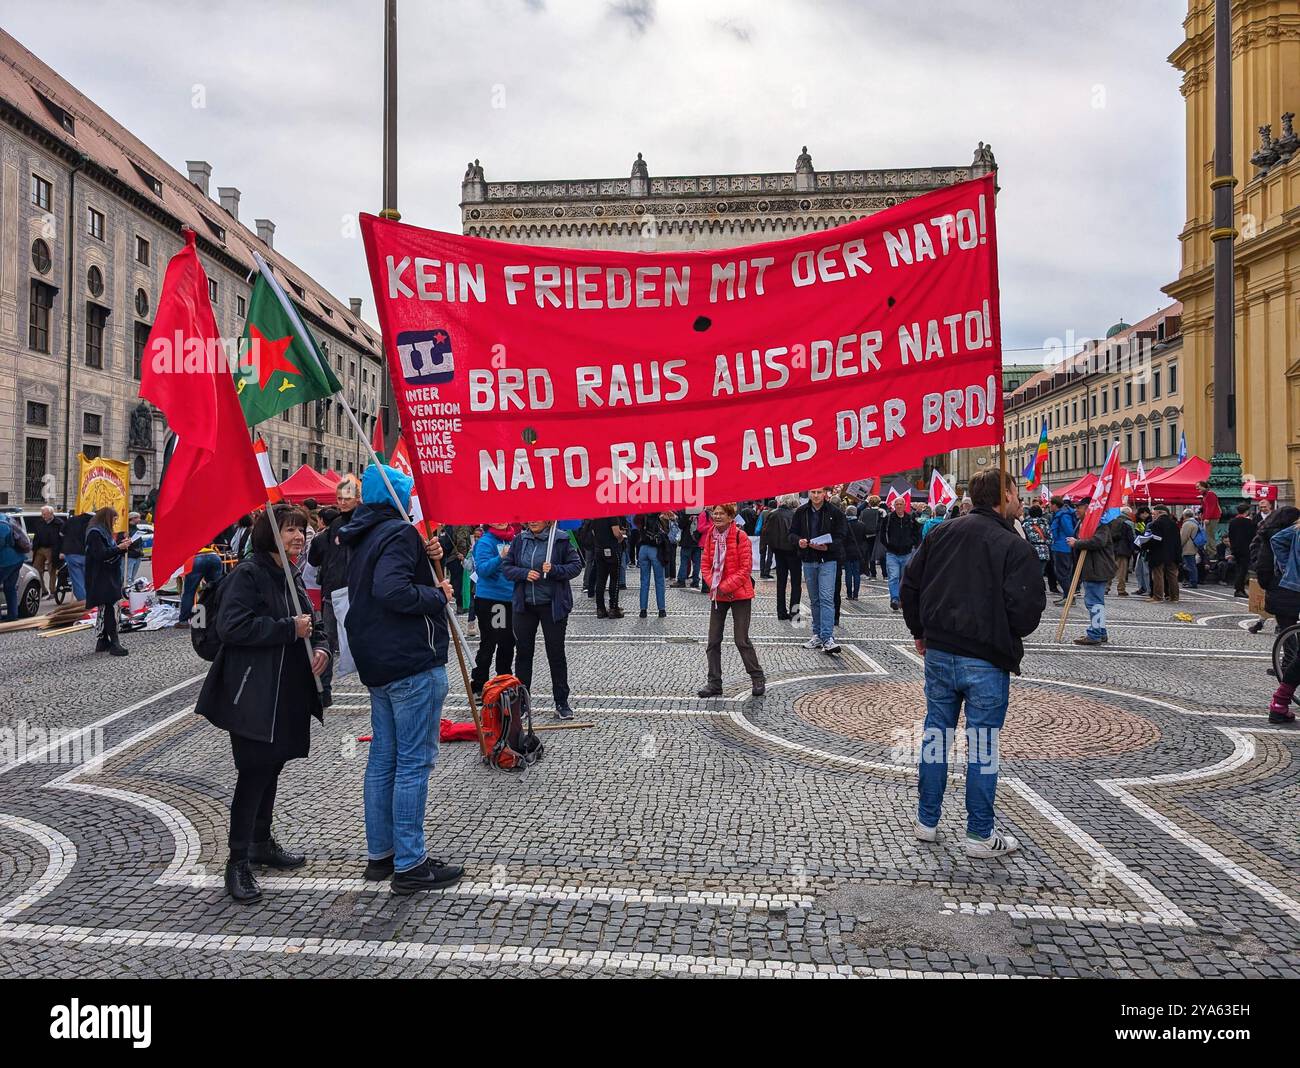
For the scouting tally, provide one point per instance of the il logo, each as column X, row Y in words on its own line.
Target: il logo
column 426, row 356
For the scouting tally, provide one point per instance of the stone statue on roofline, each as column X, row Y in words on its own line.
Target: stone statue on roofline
column 984, row 156
column 803, row 165
column 639, row 168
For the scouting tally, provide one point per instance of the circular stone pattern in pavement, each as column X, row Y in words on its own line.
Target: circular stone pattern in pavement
column 1042, row 723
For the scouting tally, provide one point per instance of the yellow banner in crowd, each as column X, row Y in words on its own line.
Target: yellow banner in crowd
column 102, row 482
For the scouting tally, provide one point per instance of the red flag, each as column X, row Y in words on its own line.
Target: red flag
column 940, row 491
column 213, row 477
column 1106, row 495
column 895, row 495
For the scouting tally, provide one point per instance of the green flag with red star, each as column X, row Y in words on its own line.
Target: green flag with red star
column 280, row 364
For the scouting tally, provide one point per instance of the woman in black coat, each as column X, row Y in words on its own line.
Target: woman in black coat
column 261, row 689
column 104, row 578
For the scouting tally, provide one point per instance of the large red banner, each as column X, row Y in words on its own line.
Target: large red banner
column 536, row 382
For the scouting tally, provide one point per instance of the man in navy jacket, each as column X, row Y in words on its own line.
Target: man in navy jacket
column 397, row 632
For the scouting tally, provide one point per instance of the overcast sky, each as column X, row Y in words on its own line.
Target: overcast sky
column 1078, row 101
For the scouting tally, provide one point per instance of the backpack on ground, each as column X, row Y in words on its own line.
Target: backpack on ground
column 508, row 725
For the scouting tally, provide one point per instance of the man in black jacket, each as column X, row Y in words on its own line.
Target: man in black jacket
column 971, row 593
column 329, row 555
column 901, row 534
column 1241, row 532
column 397, row 633
column 688, row 571
column 47, row 543
column 776, row 533
column 869, row 516
column 817, row 530
column 74, row 552
column 608, row 535
column 1163, row 555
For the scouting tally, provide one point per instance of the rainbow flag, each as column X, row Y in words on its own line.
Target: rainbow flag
column 1033, row 474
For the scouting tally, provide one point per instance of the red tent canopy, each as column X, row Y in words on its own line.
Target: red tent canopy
column 305, row 483
column 333, row 476
column 1082, row 488
column 1178, row 484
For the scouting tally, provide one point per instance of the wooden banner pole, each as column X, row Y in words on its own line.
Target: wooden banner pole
column 1069, row 597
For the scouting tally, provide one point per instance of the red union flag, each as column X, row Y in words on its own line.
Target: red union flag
column 940, row 491
column 1107, row 495
column 539, row 382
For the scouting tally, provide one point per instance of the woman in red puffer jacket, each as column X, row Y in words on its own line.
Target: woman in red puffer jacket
column 726, row 565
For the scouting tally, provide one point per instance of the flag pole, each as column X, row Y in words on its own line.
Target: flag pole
column 453, row 622
column 1069, row 598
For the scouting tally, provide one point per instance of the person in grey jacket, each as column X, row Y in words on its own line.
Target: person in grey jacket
column 1097, row 572
column 542, row 598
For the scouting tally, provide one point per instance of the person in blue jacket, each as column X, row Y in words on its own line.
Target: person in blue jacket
column 396, row 625
column 542, row 598
column 1063, row 528
column 494, row 596
column 11, row 566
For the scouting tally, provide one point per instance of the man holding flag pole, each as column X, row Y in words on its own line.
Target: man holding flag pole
column 1094, row 555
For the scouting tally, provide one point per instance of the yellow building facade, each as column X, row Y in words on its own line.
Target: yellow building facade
column 1265, row 88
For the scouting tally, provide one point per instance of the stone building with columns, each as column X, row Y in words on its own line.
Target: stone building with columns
column 1266, row 209
column 89, row 217
column 642, row 213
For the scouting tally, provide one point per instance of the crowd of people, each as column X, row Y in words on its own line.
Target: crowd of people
column 281, row 573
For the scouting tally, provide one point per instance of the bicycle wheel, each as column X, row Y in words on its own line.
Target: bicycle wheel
column 1286, row 650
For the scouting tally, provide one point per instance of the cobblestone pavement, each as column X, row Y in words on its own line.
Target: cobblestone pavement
column 732, row 836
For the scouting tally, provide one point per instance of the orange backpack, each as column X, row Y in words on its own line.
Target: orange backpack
column 508, row 725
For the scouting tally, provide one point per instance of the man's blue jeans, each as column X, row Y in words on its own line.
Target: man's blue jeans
column 689, row 569
column 1193, row 576
column 1094, row 600
column 648, row 561
column 206, row 566
column 894, row 564
column 9, row 580
column 77, row 575
column 819, row 578
column 404, row 717
column 852, row 577
column 950, row 682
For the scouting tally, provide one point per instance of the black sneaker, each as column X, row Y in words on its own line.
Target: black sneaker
column 564, row 712
column 893, row 606
column 643, row 613
column 759, row 687
column 709, row 691
column 240, row 883
column 379, row 870
column 270, row 854
column 663, row 614
column 430, row 875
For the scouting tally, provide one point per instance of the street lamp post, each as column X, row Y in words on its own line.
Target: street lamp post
column 1225, row 464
